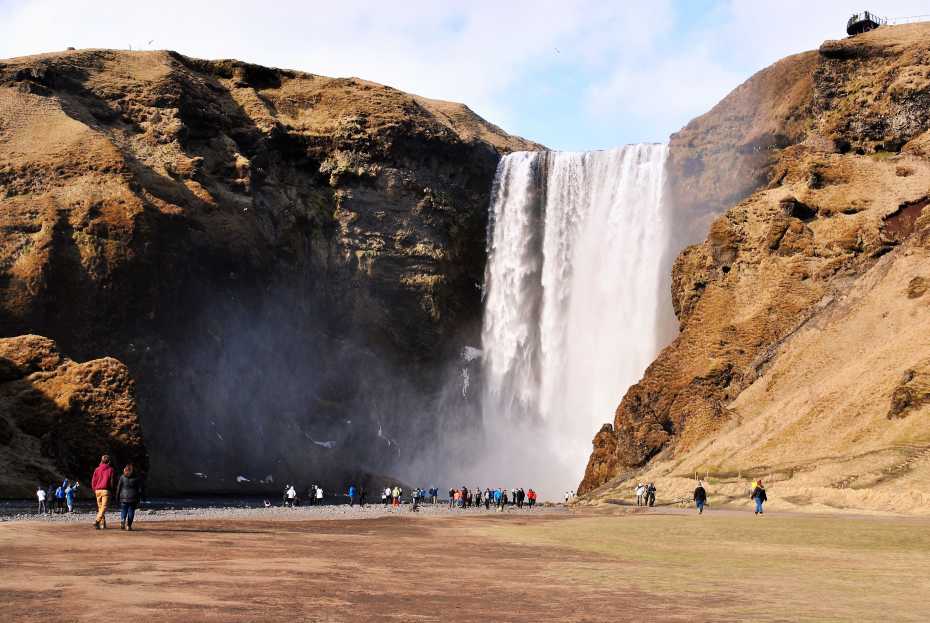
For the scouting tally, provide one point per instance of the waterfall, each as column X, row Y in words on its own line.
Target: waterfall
column 571, row 294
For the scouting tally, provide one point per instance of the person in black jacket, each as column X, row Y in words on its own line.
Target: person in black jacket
column 759, row 497
column 129, row 492
column 700, row 497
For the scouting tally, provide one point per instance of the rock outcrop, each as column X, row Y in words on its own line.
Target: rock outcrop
column 275, row 255
column 57, row 416
column 801, row 318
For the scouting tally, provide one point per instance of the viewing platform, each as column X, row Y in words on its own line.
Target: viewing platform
column 864, row 22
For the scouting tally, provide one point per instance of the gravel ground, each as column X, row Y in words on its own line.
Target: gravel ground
column 277, row 513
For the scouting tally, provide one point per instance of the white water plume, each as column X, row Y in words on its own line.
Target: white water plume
column 571, row 294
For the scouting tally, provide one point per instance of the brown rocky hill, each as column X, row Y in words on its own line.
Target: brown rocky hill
column 57, row 417
column 259, row 246
column 803, row 353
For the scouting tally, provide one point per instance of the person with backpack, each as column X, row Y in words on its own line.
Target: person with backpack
column 700, row 497
column 651, row 494
column 102, row 483
column 758, row 496
column 60, row 497
column 129, row 492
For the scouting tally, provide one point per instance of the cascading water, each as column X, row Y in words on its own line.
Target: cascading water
column 571, row 293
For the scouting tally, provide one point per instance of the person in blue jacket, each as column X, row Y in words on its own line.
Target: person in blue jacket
column 69, row 494
column 60, row 497
column 352, row 494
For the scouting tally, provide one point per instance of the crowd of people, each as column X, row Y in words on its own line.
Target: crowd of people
column 128, row 489
column 58, row 499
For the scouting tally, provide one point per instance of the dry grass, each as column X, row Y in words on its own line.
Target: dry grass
column 772, row 568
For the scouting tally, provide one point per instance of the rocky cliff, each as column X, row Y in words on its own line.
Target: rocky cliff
column 57, row 416
column 263, row 248
column 802, row 352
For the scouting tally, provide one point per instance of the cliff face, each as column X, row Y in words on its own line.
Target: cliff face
column 57, row 417
column 801, row 352
column 260, row 246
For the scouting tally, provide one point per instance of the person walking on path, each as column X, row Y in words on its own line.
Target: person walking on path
column 640, row 492
column 129, row 492
column 395, row 497
column 700, row 497
column 102, row 483
column 651, row 494
column 69, row 495
column 758, row 496
column 42, row 496
column 352, row 492
column 319, row 495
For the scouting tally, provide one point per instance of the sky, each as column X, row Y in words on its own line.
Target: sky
column 572, row 75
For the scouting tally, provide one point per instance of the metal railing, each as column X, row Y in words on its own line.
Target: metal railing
column 866, row 16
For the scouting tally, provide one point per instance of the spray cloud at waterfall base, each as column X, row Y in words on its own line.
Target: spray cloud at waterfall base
column 571, row 320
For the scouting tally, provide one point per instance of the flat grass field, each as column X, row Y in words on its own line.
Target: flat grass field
column 736, row 566
column 662, row 565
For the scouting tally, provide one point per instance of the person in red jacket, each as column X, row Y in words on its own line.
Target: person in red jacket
column 101, row 483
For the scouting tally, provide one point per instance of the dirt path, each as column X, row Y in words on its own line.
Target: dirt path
column 378, row 569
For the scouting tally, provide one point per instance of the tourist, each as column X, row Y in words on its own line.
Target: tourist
column 352, row 493
column 759, row 497
column 69, row 495
column 60, row 497
column 487, row 498
column 395, row 496
column 361, row 496
column 521, row 496
column 477, row 497
column 102, row 483
column 416, row 500
column 291, row 496
column 434, row 494
column 128, row 494
column 640, row 493
column 386, row 496
column 499, row 499
column 41, row 495
column 651, row 494
column 319, row 495
column 451, row 497
column 531, row 498
column 700, row 497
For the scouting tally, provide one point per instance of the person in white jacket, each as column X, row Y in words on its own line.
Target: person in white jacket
column 640, row 492
column 41, row 495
